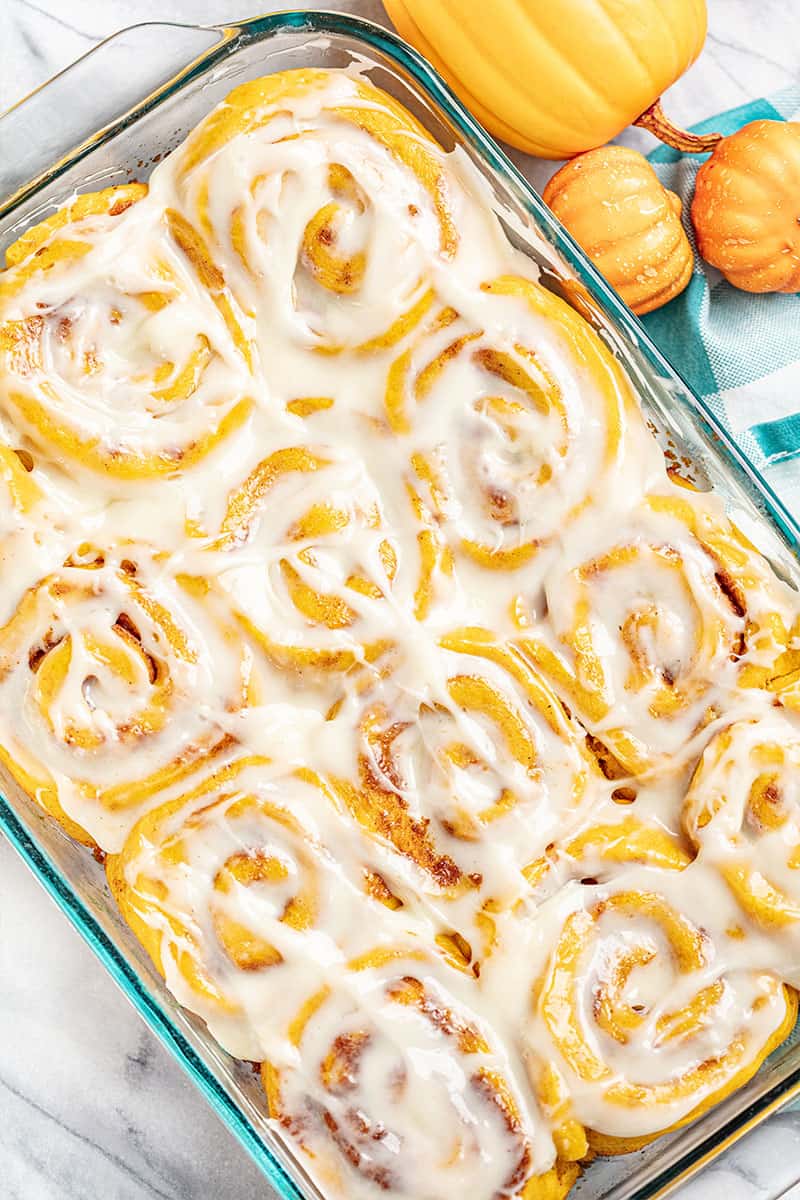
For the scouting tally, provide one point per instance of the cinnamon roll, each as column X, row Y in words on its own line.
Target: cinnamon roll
column 238, row 898
column 651, row 1014
column 518, row 418
column 337, row 184
column 470, row 779
column 314, row 592
column 101, row 664
column 650, row 634
column 113, row 356
column 392, row 1086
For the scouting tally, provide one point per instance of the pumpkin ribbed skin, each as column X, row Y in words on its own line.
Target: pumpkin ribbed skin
column 746, row 208
column 615, row 207
column 555, row 79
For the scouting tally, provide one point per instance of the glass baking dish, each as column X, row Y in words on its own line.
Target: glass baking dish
column 109, row 118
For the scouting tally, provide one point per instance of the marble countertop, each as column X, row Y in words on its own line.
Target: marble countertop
column 90, row 1104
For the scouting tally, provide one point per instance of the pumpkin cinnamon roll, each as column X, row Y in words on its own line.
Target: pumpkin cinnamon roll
column 742, row 810
column 343, row 200
column 466, row 782
column 650, row 633
column 389, row 1084
column 114, row 358
column 241, row 904
column 650, row 1012
column 517, row 419
column 308, row 562
column 101, row 667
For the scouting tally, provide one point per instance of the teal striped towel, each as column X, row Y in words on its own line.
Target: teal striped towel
column 740, row 352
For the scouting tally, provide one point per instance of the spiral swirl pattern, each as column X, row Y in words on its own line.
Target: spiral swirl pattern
column 633, row 971
column 313, row 227
column 502, row 433
column 653, row 634
column 85, row 370
column 315, row 592
column 366, row 1040
column 99, row 664
column 469, row 782
column 231, row 887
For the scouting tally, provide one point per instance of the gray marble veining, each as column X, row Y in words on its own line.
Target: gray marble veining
column 90, row 1104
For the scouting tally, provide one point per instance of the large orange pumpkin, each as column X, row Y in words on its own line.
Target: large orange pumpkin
column 555, row 79
column 746, row 207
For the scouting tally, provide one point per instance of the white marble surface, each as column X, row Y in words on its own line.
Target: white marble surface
column 90, row 1105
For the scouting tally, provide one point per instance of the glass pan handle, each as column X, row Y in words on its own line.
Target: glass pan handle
column 91, row 94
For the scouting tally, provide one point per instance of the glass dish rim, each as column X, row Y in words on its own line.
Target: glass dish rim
column 432, row 86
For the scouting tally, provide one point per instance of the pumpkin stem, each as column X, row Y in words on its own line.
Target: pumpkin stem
column 657, row 122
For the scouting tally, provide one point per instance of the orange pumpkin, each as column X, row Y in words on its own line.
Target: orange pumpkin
column 746, row 208
column 614, row 206
column 557, row 77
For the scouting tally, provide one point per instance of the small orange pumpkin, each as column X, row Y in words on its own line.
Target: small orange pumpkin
column 746, row 207
column 615, row 207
